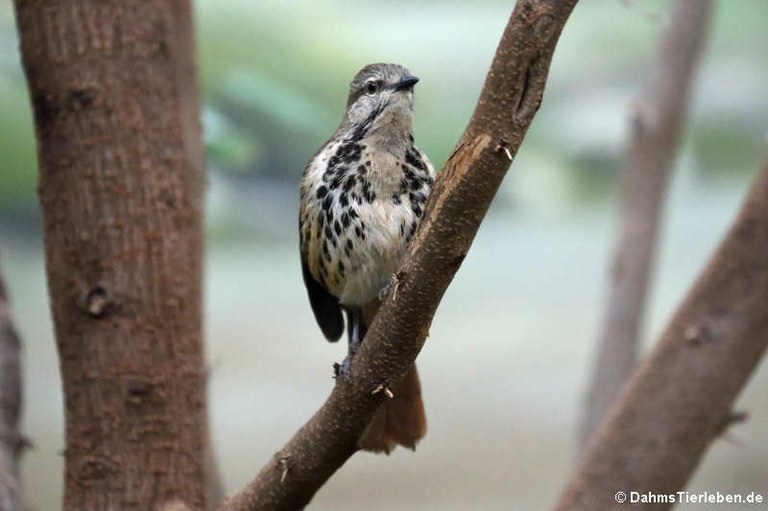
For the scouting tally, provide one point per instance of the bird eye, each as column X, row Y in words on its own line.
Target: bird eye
column 372, row 87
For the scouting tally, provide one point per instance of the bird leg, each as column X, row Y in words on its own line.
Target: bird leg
column 356, row 334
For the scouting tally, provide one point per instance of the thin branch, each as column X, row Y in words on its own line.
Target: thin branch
column 463, row 192
column 682, row 395
column 11, row 440
column 657, row 122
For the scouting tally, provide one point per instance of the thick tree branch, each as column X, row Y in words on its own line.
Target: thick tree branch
column 681, row 397
column 463, row 192
column 657, row 121
column 11, row 440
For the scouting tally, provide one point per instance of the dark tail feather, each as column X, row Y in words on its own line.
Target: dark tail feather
column 400, row 420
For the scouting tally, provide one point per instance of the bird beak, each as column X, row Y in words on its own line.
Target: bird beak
column 406, row 83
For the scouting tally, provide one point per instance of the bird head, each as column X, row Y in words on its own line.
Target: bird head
column 381, row 92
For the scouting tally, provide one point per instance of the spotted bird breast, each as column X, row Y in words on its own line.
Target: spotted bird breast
column 359, row 210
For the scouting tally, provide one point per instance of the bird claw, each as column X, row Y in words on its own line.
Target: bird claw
column 344, row 369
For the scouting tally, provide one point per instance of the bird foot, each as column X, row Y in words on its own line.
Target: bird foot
column 344, row 369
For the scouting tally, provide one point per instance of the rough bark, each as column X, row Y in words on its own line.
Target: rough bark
column 657, row 121
column 11, row 440
column 681, row 397
column 463, row 191
column 113, row 89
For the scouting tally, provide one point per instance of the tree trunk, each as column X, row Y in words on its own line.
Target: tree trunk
column 11, row 440
column 114, row 94
column 657, row 123
column 680, row 398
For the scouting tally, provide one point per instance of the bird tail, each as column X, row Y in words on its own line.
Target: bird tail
column 400, row 420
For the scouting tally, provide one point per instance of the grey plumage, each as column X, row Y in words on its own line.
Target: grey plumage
column 362, row 196
column 363, row 193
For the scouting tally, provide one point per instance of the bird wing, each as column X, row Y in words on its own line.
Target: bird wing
column 325, row 306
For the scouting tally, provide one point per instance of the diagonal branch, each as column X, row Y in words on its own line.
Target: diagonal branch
column 463, row 192
column 11, row 441
column 680, row 399
column 658, row 117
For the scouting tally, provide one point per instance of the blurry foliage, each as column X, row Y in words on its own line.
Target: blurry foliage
column 274, row 78
column 728, row 147
column 17, row 147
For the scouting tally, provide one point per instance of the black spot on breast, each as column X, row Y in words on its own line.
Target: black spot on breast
column 396, row 198
column 412, row 157
column 327, row 202
column 345, row 219
column 353, row 213
column 321, row 192
column 336, row 182
column 343, row 200
column 349, row 183
column 337, row 228
column 368, row 194
column 349, row 152
column 411, row 231
column 358, row 232
column 328, row 233
column 350, row 245
column 341, row 267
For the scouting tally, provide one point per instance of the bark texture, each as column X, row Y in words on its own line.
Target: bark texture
column 657, row 121
column 463, row 192
column 11, row 441
column 114, row 94
column 680, row 399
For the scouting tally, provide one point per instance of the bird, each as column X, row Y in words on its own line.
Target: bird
column 362, row 196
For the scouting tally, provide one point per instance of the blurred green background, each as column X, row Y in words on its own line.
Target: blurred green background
column 506, row 363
